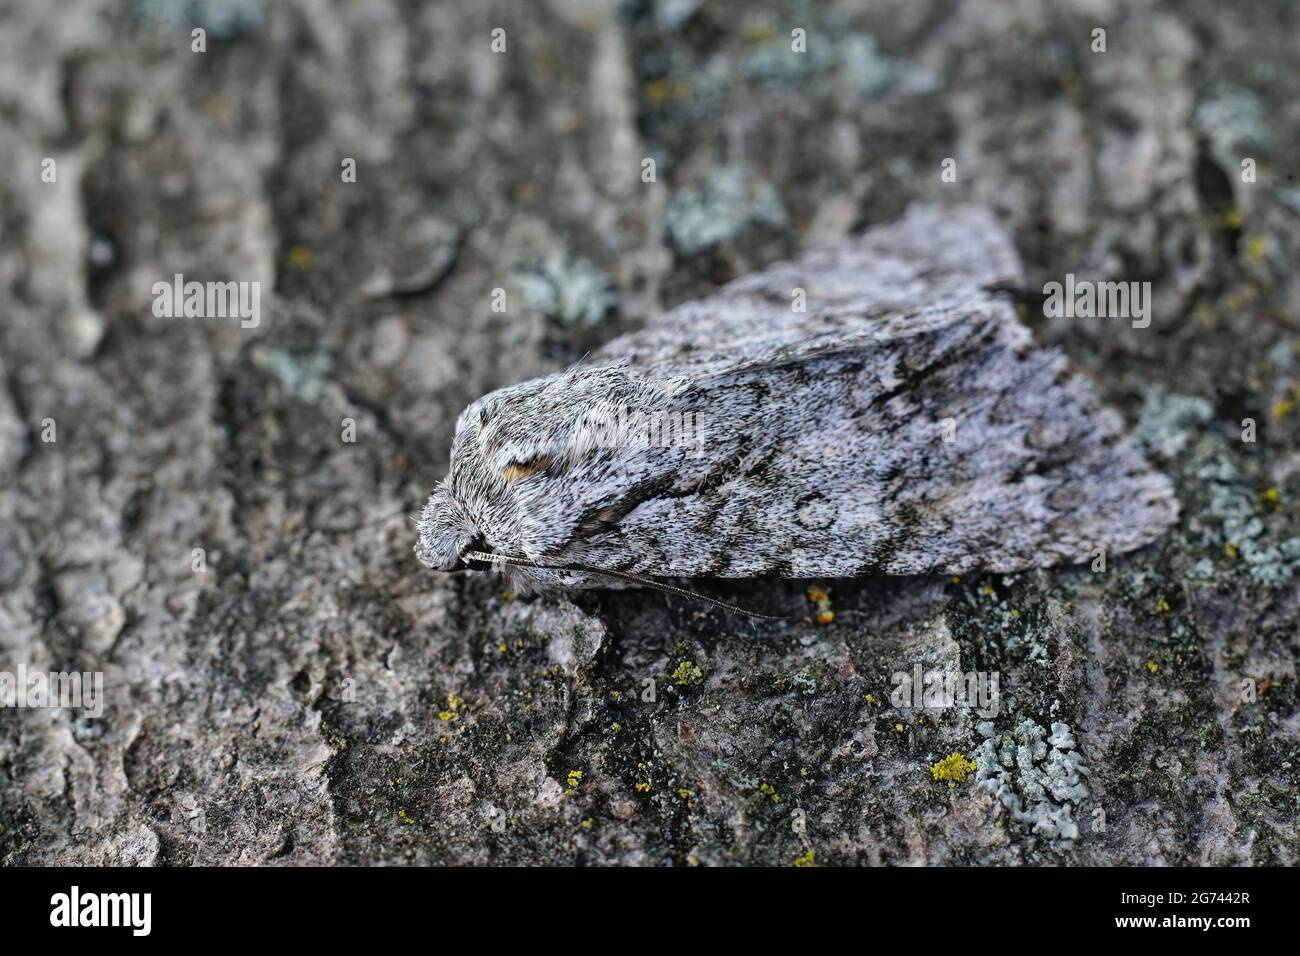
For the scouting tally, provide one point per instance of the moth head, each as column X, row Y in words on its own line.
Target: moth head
column 445, row 531
column 502, row 446
column 536, row 468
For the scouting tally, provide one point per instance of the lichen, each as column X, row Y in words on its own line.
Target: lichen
column 725, row 204
column 954, row 768
column 1240, row 528
column 224, row 19
column 574, row 780
column 687, row 672
column 565, row 288
column 1233, row 120
column 1036, row 777
column 301, row 373
column 1167, row 420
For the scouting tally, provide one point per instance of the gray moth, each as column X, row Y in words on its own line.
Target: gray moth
column 902, row 422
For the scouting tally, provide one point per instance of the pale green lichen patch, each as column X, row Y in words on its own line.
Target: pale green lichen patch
column 1036, row 777
column 728, row 202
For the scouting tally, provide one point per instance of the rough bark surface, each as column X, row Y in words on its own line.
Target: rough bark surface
column 314, row 695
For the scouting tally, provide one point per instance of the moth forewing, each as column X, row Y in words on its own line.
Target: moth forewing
column 902, row 422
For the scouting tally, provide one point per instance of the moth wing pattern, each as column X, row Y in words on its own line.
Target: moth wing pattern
column 904, row 423
column 930, row 257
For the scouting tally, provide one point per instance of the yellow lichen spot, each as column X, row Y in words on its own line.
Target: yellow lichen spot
column 956, row 579
column 1015, row 613
column 575, row 778
column 898, row 727
column 1230, row 550
column 1152, row 666
column 300, row 257
column 806, row 859
column 1233, row 219
column 643, row 788
column 870, row 699
column 660, row 91
column 1162, row 606
column 501, row 648
column 816, row 595
column 954, row 767
column 586, row 824
column 803, row 771
column 688, row 672
column 616, row 727
column 1255, row 248
column 1283, row 407
column 825, row 617
column 986, row 591
column 770, row 791
column 1272, row 495
column 446, row 715
column 683, row 792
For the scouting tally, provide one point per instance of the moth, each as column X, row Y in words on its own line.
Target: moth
column 901, row 422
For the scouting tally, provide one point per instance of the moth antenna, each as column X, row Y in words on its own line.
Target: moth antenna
column 622, row 576
column 670, row 589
